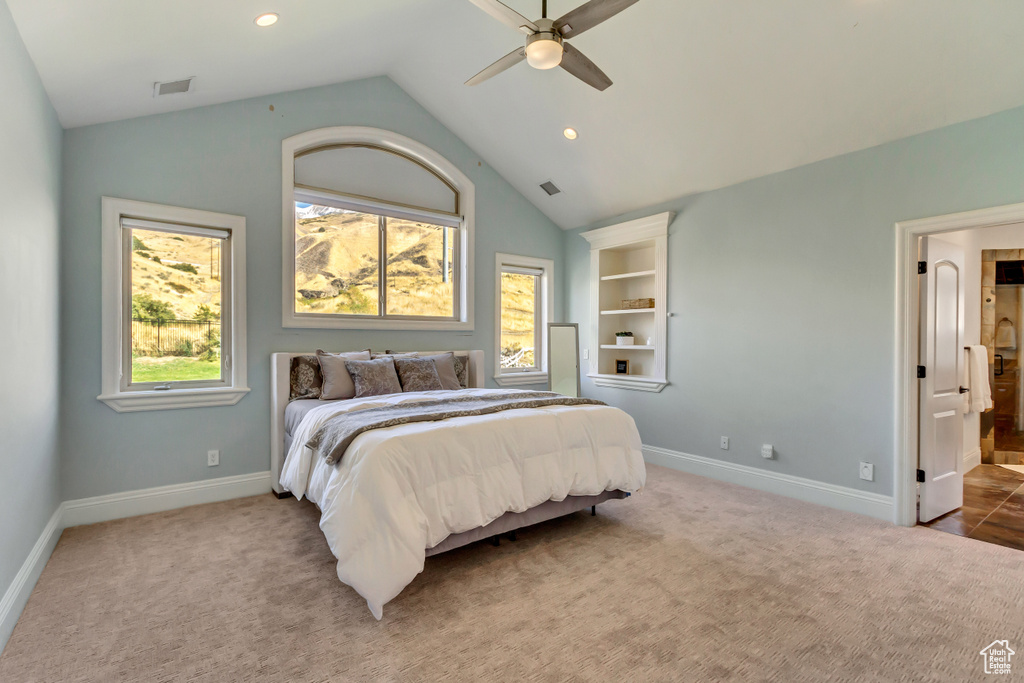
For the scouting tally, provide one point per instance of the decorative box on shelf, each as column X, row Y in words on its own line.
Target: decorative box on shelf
column 630, row 304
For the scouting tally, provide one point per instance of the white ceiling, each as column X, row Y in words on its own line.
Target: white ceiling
column 707, row 92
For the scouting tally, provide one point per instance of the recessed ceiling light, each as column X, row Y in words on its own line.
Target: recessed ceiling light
column 570, row 133
column 268, row 19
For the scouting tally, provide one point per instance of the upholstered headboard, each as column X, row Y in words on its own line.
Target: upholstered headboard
column 280, row 381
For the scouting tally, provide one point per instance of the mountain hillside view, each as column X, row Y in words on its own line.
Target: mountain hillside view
column 176, row 307
column 337, row 262
column 337, row 271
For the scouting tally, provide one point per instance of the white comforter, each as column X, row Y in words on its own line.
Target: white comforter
column 401, row 490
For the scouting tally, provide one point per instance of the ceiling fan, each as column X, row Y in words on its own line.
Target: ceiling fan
column 545, row 39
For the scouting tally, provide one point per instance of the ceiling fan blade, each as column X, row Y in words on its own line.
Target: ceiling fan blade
column 576, row 63
column 507, row 15
column 509, row 60
column 589, row 15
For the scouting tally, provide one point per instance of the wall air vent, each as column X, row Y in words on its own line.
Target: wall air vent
column 550, row 188
column 173, row 87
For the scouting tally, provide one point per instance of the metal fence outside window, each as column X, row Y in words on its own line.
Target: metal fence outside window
column 154, row 337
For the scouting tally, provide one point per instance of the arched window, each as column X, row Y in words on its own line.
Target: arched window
column 378, row 233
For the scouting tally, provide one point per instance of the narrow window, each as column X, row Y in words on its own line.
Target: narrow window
column 519, row 325
column 524, row 308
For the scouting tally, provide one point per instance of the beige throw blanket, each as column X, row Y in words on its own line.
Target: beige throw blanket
column 334, row 438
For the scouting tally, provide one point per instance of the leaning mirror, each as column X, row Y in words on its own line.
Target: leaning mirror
column 564, row 358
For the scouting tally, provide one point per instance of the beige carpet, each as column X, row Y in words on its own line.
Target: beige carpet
column 693, row 580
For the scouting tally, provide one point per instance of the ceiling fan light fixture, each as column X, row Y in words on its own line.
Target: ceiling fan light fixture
column 544, row 52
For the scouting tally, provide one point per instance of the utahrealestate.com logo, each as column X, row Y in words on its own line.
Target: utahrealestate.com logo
column 997, row 657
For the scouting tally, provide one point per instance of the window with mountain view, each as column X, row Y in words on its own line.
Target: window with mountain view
column 519, row 319
column 354, row 263
column 177, row 294
column 524, row 309
column 378, row 233
column 173, row 307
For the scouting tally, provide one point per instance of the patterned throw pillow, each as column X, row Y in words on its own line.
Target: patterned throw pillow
column 374, row 377
column 460, row 362
column 462, row 370
column 306, row 378
column 418, row 374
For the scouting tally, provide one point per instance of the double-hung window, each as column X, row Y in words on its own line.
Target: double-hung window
column 173, row 323
column 524, row 299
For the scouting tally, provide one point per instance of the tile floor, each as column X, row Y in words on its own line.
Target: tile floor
column 993, row 509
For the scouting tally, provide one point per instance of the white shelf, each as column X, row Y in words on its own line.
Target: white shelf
column 634, row 347
column 627, row 276
column 634, row 382
column 627, row 311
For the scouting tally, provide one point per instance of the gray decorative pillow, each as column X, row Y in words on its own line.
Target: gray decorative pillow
column 374, row 377
column 445, row 365
column 462, row 370
column 418, row 374
column 458, row 379
column 306, row 378
column 337, row 384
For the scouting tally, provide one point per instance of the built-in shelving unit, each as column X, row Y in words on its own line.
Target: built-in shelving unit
column 629, row 261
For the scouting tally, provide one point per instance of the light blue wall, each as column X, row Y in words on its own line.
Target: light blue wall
column 30, row 139
column 227, row 158
column 783, row 291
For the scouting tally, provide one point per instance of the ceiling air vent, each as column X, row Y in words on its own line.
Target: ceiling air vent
column 173, row 87
column 550, row 188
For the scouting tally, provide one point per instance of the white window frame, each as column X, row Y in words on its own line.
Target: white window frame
column 116, row 307
column 385, row 212
column 545, row 308
column 409, row 148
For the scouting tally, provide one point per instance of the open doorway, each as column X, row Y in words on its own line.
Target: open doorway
column 986, row 468
column 992, row 508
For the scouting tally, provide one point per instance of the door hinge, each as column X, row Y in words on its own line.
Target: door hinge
column 920, row 476
column 920, row 372
column 922, row 267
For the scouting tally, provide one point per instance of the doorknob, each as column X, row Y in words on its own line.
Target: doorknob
column 964, row 390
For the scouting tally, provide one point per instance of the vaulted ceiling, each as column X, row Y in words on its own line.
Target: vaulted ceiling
column 707, row 93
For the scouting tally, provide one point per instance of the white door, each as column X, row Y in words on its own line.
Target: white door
column 940, row 435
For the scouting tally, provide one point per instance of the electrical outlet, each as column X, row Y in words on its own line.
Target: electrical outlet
column 725, row 443
column 867, row 471
column 586, row 354
column 212, row 458
column 768, row 451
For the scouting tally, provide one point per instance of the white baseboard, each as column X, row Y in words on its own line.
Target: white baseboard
column 839, row 497
column 17, row 593
column 972, row 459
column 145, row 501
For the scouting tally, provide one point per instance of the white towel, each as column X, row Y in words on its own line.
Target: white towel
column 1006, row 335
column 978, row 399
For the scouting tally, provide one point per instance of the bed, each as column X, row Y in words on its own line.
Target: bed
column 403, row 493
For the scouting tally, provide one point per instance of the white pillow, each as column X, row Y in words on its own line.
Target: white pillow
column 337, row 382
